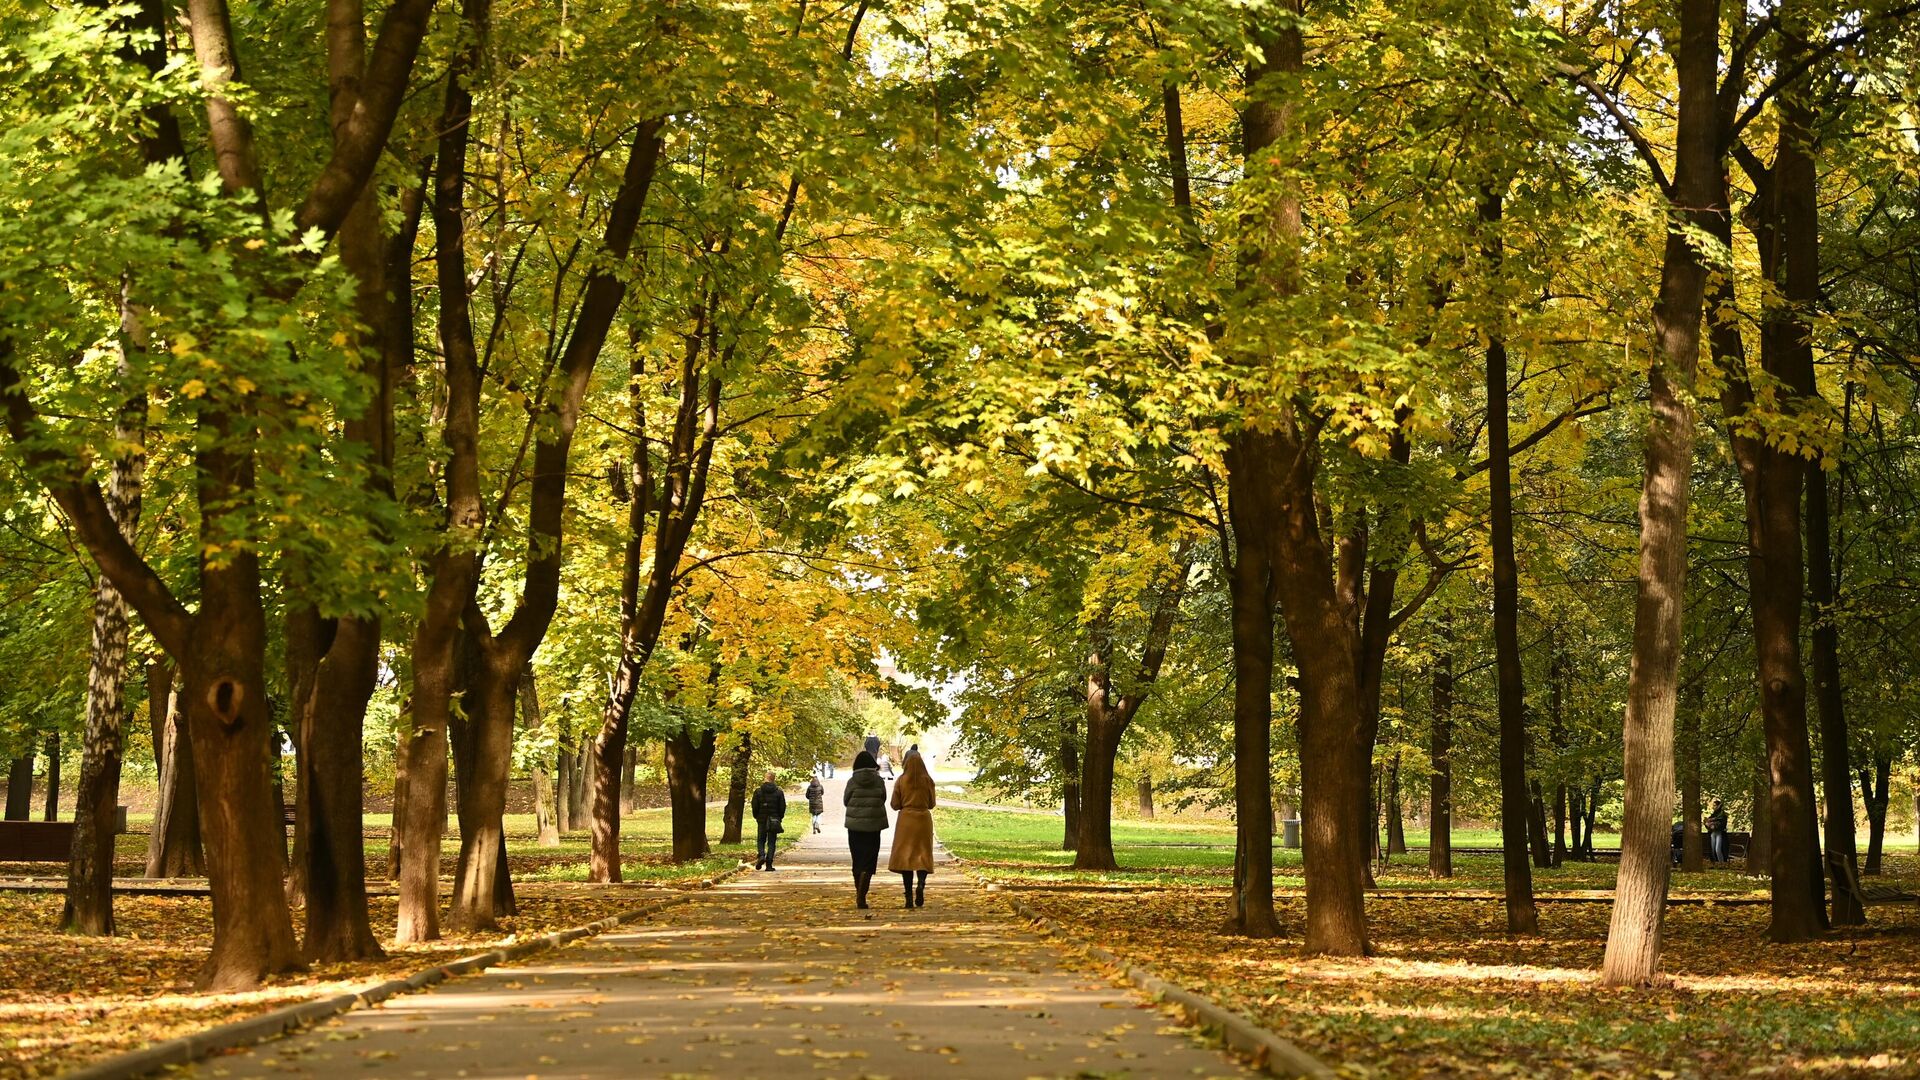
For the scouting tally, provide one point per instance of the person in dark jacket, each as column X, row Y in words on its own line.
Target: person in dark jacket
column 816, row 801
column 1717, row 832
column 769, row 811
column 865, row 798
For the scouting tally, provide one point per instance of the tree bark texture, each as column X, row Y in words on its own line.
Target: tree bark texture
column 1522, row 918
column 735, row 812
column 1440, row 749
column 1640, row 896
column 687, row 761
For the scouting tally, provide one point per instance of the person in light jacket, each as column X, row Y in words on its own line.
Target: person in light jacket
column 865, row 798
column 816, row 801
column 913, row 830
column 769, row 812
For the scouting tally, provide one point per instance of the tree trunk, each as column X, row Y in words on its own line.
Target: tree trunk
column 173, row 847
column 734, row 814
column 687, row 763
column 51, row 807
column 546, row 809
column 629, row 794
column 565, row 760
column 1251, row 597
column 1069, row 785
column 1537, row 826
column 233, row 752
column 20, row 789
column 579, row 806
column 482, row 889
column 1640, row 894
column 1689, row 765
column 1559, row 823
column 1396, row 825
column 420, row 806
column 89, row 907
column 1440, row 748
column 1511, row 691
column 1873, row 791
column 1145, row 787
column 1760, row 847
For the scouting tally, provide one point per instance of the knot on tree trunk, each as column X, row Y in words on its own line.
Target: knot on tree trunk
column 225, row 697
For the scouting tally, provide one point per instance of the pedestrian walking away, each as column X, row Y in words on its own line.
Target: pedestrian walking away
column 816, row 801
column 912, row 853
column 865, row 798
column 769, row 812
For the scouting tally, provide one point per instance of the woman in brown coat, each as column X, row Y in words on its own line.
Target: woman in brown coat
column 913, row 828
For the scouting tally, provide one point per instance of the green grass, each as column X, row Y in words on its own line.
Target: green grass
column 1022, row 848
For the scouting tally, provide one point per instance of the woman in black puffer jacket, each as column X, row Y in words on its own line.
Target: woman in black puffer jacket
column 865, row 798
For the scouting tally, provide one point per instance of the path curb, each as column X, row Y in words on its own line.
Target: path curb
column 256, row 1029
column 1269, row 1052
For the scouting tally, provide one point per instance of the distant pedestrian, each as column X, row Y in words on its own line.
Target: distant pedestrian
column 770, row 813
column 886, row 765
column 865, row 798
column 913, row 831
column 816, row 801
column 872, row 746
column 1717, row 832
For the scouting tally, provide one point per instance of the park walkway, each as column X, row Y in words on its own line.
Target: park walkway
column 770, row 975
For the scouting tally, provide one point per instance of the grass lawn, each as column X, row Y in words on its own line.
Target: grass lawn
column 1448, row 993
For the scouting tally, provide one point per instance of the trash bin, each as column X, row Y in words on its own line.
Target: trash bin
column 1290, row 832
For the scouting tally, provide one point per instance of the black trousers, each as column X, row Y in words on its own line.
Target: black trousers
column 865, row 847
column 769, row 835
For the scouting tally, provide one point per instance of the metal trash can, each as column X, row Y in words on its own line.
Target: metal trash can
column 1290, row 832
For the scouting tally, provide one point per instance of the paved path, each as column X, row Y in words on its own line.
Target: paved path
column 771, row 975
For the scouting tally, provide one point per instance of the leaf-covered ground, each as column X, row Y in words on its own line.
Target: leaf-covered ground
column 65, row 1000
column 1449, row 994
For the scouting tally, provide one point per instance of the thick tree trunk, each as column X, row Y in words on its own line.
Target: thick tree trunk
column 1511, row 692
column 1873, row 791
column 687, row 762
column 1251, row 597
column 1796, row 191
column 1440, row 749
column 482, row 890
column 173, row 847
column 232, row 734
column 20, row 789
column 1760, row 847
column 734, row 814
column 1640, row 895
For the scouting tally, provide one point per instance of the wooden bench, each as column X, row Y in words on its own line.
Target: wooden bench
column 36, row 841
column 44, row 841
column 1846, row 875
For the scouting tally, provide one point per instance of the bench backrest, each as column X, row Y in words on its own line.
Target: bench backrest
column 36, row 841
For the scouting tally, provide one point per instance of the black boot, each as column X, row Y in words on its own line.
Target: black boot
column 860, row 883
column 920, row 895
column 907, row 880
